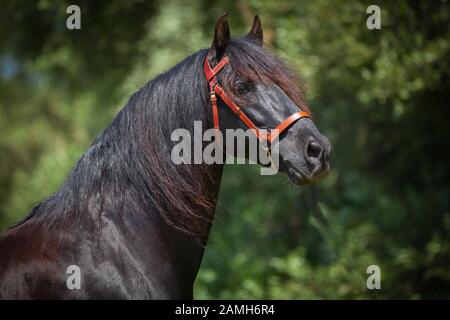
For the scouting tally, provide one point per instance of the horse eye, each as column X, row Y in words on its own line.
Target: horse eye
column 242, row 87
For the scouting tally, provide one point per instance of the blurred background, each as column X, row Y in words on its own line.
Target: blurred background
column 380, row 95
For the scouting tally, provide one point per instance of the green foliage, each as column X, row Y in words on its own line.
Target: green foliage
column 380, row 95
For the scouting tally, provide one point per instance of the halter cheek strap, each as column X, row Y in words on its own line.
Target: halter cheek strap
column 217, row 90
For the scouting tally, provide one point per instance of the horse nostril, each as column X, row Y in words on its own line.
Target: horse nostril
column 313, row 151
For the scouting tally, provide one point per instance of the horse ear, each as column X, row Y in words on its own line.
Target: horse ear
column 221, row 37
column 256, row 32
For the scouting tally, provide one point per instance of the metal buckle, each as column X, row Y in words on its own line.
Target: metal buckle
column 213, row 96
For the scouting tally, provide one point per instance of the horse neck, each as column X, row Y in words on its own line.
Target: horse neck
column 180, row 250
column 183, row 245
column 186, row 250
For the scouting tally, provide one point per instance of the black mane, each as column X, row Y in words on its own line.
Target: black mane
column 129, row 163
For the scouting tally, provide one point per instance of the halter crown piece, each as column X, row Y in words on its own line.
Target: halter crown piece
column 216, row 89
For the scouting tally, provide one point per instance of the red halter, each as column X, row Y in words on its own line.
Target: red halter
column 216, row 88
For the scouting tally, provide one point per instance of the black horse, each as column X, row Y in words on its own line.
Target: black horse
column 132, row 221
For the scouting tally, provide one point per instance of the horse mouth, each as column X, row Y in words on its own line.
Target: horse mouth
column 296, row 176
column 300, row 178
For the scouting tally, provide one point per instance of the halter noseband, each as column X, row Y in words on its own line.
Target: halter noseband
column 216, row 88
